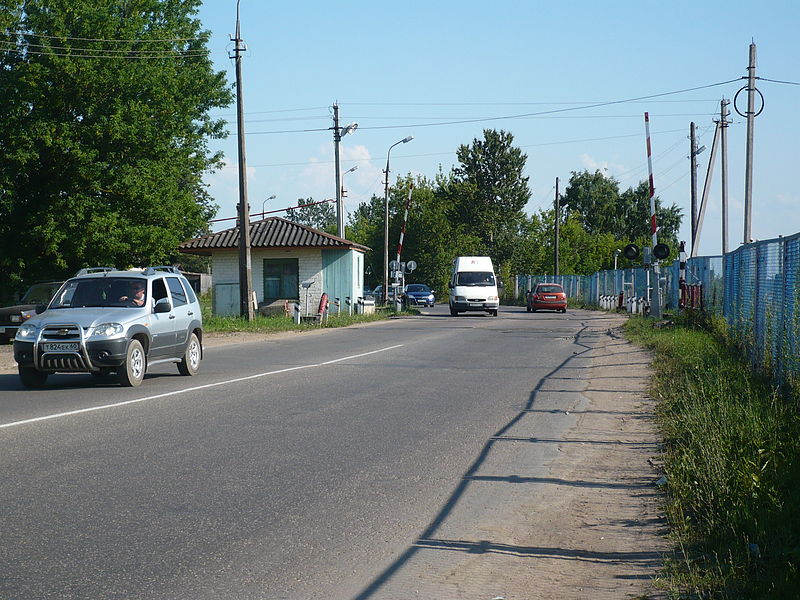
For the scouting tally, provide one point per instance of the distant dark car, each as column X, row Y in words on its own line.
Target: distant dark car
column 547, row 296
column 419, row 294
column 12, row 316
column 377, row 293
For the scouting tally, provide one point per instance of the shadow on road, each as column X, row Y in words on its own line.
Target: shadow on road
column 428, row 540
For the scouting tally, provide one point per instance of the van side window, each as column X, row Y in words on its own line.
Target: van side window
column 176, row 289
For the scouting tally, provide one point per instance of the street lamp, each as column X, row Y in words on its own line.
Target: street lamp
column 264, row 202
column 343, row 193
column 616, row 254
column 405, row 140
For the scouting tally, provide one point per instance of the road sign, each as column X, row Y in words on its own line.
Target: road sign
column 411, row 265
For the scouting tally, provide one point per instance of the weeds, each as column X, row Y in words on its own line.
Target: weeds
column 732, row 460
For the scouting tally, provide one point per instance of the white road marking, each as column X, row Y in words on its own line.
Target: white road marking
column 192, row 389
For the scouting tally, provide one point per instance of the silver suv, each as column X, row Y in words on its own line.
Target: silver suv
column 104, row 321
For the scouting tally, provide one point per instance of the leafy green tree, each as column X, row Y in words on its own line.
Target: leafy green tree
column 320, row 215
column 489, row 192
column 104, row 130
column 594, row 201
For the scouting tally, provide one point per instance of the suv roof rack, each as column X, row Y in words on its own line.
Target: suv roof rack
column 167, row 268
column 90, row 270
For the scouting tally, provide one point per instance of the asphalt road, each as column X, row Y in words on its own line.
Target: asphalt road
column 296, row 467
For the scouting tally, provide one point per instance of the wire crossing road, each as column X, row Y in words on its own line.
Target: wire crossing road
column 302, row 466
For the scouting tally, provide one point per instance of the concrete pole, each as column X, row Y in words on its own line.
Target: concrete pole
column 693, row 156
column 748, row 174
column 723, row 122
column 557, row 225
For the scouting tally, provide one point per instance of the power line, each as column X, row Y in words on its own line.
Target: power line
column 13, row 47
column 121, row 41
column 778, row 81
column 519, row 116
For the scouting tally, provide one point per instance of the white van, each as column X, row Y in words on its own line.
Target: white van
column 473, row 286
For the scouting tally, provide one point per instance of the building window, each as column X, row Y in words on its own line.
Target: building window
column 281, row 279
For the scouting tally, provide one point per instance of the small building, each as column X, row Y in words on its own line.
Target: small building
column 283, row 255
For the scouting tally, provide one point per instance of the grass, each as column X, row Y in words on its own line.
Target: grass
column 732, row 461
column 276, row 324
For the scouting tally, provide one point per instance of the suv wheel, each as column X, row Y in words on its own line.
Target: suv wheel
column 190, row 364
column 131, row 373
column 31, row 378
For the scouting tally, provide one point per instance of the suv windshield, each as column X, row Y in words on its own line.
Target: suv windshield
column 475, row 278
column 105, row 291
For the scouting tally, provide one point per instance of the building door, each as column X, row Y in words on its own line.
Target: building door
column 281, row 279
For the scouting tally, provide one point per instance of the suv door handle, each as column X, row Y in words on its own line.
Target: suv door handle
column 190, row 313
column 172, row 316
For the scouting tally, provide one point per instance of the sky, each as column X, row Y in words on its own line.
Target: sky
column 570, row 81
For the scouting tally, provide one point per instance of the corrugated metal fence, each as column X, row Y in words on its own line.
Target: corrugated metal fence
column 754, row 287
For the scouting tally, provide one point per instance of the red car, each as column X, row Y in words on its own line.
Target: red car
column 547, row 296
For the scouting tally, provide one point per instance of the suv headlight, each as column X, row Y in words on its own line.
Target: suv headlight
column 26, row 331
column 107, row 330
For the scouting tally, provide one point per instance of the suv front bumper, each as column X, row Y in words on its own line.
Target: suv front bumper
column 100, row 354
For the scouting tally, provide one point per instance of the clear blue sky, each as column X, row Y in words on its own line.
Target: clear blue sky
column 409, row 68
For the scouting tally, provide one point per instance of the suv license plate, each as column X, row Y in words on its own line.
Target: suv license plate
column 61, row 347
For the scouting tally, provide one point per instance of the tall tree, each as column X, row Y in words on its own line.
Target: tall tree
column 594, row 201
column 104, row 130
column 317, row 215
column 490, row 191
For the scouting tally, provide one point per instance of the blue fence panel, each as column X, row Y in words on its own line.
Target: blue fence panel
column 755, row 287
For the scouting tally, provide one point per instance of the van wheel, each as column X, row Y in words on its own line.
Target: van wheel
column 31, row 378
column 132, row 372
column 494, row 313
column 190, row 364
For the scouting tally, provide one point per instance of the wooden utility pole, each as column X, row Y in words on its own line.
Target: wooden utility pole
column 245, row 270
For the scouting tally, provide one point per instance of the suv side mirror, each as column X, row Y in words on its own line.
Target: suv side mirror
column 163, row 306
column 450, row 284
column 40, row 308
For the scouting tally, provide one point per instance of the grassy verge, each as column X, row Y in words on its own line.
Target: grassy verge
column 732, row 461
column 275, row 324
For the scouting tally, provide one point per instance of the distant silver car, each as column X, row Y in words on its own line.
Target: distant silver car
column 104, row 321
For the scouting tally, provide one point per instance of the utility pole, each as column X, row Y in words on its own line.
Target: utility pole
column 723, row 122
column 557, row 224
column 706, row 189
column 245, row 270
column 337, row 137
column 748, row 174
column 693, row 156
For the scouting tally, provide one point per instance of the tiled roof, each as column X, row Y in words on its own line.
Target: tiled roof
column 273, row 232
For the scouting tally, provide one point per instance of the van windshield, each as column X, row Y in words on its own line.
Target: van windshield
column 475, row 278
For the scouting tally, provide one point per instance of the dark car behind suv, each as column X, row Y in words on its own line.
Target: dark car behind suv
column 12, row 316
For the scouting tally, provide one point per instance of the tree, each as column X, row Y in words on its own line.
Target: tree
column 594, row 201
column 104, row 130
column 319, row 215
column 489, row 191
